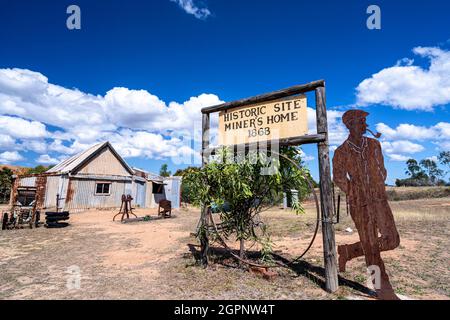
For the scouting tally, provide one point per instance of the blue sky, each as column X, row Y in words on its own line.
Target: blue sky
column 138, row 72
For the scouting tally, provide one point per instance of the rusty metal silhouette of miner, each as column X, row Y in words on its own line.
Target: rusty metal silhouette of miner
column 358, row 170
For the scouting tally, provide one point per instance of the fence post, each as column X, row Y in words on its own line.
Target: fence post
column 204, row 241
column 326, row 198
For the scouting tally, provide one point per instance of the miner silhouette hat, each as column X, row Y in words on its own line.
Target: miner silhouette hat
column 351, row 115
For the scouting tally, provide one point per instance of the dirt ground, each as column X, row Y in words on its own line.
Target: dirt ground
column 154, row 259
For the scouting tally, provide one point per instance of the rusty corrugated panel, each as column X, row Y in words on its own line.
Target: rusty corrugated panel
column 140, row 173
column 69, row 196
column 27, row 181
column 14, row 192
column 41, row 183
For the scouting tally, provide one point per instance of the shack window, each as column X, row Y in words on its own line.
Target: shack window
column 26, row 197
column 158, row 188
column 102, row 188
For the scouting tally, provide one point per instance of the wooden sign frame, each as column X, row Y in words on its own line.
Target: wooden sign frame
column 321, row 139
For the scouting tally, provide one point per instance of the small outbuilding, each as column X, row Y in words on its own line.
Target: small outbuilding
column 95, row 178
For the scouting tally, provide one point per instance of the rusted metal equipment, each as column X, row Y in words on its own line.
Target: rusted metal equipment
column 125, row 208
column 21, row 216
column 165, row 209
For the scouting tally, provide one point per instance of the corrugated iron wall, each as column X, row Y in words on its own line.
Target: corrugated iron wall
column 172, row 190
column 140, row 194
column 81, row 194
column 51, row 192
column 149, row 201
column 62, row 190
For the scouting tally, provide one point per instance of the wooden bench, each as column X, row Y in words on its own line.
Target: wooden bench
column 165, row 209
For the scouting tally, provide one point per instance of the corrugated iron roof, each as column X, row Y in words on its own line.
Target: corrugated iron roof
column 71, row 164
column 150, row 175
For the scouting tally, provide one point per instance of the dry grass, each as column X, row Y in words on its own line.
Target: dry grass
column 414, row 193
column 152, row 260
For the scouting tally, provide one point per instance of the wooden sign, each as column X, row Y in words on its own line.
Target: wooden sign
column 271, row 120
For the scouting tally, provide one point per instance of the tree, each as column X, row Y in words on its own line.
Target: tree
column 444, row 159
column 239, row 191
column 5, row 184
column 186, row 191
column 38, row 169
column 432, row 170
column 163, row 172
column 413, row 169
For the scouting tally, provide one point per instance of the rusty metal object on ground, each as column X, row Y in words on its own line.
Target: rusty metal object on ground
column 125, row 208
column 165, row 208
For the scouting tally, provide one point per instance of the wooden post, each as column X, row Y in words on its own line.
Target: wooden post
column 326, row 197
column 204, row 241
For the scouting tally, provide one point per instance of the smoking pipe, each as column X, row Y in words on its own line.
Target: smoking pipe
column 376, row 135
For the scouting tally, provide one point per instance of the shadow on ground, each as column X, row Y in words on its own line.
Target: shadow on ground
column 301, row 268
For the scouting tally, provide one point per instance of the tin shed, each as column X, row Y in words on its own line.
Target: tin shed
column 94, row 178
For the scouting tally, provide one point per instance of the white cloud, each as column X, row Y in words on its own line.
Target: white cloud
column 6, row 142
column 191, row 8
column 138, row 123
column 337, row 132
column 444, row 145
column 10, row 156
column 439, row 131
column 406, row 131
column 306, row 157
column 28, row 102
column 46, row 159
column 58, row 146
column 410, row 87
column 21, row 128
column 34, row 145
column 141, row 110
column 438, row 134
column 401, row 147
column 398, row 157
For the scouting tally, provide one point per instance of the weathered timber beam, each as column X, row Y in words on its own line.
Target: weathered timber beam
column 266, row 97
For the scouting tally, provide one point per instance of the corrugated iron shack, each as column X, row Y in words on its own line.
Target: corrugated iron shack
column 94, row 178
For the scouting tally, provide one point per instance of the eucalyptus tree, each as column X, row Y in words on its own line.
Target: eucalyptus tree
column 240, row 187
